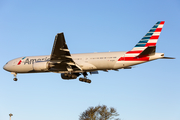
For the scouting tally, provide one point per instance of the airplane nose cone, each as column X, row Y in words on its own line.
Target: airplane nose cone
column 5, row 67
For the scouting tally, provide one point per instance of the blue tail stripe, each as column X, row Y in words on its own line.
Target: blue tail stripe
column 140, row 45
column 152, row 30
column 143, row 41
column 155, row 26
column 146, row 38
column 148, row 34
column 158, row 22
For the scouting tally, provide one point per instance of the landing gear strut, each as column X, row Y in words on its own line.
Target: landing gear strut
column 85, row 78
column 15, row 74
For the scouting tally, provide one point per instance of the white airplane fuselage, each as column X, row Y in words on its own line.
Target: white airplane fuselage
column 72, row 66
column 87, row 61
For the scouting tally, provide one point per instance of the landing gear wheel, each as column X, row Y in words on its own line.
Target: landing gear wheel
column 66, row 75
column 15, row 79
column 84, row 80
column 74, row 76
column 81, row 79
column 69, row 75
column 15, row 74
column 88, row 81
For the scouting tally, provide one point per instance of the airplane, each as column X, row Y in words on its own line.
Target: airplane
column 71, row 66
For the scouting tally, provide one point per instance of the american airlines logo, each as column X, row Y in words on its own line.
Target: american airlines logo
column 21, row 61
column 32, row 61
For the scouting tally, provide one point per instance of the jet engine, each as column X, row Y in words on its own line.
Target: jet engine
column 41, row 66
column 68, row 76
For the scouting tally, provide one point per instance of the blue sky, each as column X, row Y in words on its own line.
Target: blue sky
column 148, row 91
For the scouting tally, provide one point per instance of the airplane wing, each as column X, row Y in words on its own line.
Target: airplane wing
column 61, row 57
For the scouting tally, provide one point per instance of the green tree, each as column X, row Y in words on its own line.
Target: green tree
column 100, row 112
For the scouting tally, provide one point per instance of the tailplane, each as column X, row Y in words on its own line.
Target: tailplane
column 167, row 58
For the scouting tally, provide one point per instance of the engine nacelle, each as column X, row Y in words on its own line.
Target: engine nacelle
column 41, row 66
column 68, row 76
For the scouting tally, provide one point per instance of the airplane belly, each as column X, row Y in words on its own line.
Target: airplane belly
column 123, row 64
column 104, row 64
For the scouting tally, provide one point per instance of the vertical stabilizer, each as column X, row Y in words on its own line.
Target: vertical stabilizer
column 146, row 46
column 149, row 40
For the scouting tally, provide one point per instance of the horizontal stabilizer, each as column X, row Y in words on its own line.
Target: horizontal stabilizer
column 167, row 58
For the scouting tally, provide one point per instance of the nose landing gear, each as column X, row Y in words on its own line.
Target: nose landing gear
column 15, row 74
column 15, row 79
column 85, row 78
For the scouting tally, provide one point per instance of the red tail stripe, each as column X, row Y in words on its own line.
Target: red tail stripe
column 162, row 22
column 158, row 30
column 134, row 59
column 154, row 37
column 138, row 51
column 150, row 44
column 121, row 59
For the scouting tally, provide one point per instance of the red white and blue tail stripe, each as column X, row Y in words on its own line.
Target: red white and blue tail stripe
column 149, row 40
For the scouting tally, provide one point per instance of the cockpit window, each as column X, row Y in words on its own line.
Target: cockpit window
column 7, row 63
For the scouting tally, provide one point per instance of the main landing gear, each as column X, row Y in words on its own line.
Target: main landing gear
column 15, row 74
column 85, row 78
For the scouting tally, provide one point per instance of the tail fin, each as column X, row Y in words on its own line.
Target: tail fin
column 147, row 45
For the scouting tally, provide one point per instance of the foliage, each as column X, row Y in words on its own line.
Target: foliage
column 100, row 112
